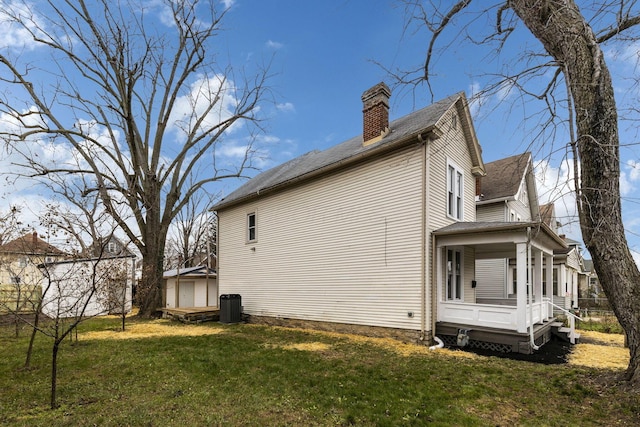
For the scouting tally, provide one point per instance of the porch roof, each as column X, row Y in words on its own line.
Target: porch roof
column 500, row 236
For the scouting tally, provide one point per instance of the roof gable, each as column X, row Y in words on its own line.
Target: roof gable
column 30, row 244
column 504, row 177
column 402, row 131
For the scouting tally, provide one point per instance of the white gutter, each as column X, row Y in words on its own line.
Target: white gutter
column 423, row 242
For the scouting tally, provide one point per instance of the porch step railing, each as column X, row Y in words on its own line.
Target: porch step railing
column 573, row 335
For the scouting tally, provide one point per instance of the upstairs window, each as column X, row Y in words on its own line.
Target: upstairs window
column 455, row 189
column 251, row 227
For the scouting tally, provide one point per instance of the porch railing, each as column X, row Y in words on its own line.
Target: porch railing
column 572, row 320
column 495, row 315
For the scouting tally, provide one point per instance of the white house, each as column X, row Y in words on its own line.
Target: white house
column 88, row 287
column 191, row 287
column 379, row 234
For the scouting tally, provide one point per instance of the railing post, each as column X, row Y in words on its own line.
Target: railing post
column 572, row 326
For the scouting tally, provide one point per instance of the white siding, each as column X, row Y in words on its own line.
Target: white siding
column 344, row 248
column 451, row 146
column 68, row 288
column 495, row 212
column 469, row 275
column 491, row 275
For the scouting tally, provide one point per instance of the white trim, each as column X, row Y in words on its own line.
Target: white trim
column 253, row 213
column 455, row 191
column 457, row 284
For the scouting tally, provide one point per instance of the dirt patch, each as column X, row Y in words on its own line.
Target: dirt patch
column 595, row 350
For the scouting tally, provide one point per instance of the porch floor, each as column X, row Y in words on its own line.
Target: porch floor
column 496, row 339
column 192, row 314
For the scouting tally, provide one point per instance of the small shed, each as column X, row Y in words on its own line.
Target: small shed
column 191, row 287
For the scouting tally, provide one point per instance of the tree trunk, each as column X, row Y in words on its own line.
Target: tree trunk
column 34, row 331
column 150, row 289
column 566, row 36
column 54, row 373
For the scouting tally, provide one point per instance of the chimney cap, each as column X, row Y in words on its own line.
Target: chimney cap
column 379, row 92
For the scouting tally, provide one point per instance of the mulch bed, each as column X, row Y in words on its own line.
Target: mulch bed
column 555, row 352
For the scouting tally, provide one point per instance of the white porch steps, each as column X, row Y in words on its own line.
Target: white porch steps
column 564, row 333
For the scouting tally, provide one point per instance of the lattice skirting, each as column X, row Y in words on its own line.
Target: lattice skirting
column 452, row 341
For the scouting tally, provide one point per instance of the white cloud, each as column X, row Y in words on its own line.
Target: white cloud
column 629, row 175
column 475, row 100
column 556, row 185
column 228, row 3
column 208, row 97
column 274, row 45
column 286, row 107
column 14, row 35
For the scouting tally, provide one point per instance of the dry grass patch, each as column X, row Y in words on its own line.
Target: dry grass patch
column 308, row 346
column 156, row 328
column 399, row 347
column 600, row 350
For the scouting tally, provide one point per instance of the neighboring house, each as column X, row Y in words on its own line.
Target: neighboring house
column 191, row 287
column 568, row 265
column 108, row 247
column 89, row 286
column 591, row 294
column 379, row 234
column 20, row 278
column 507, row 194
column 568, row 273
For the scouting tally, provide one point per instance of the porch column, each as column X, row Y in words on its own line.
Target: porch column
column 439, row 283
column 521, row 286
column 549, row 282
column 537, row 276
column 562, row 286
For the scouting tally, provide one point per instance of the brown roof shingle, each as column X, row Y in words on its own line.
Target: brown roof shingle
column 30, row 244
column 504, row 177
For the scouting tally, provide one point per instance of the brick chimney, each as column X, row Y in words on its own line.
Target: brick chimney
column 375, row 109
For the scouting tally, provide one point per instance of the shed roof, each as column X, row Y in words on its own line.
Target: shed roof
column 198, row 271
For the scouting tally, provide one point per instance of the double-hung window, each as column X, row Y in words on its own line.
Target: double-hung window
column 251, row 227
column 454, row 274
column 455, row 188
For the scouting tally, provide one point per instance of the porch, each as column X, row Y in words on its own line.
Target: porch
column 520, row 318
column 192, row 314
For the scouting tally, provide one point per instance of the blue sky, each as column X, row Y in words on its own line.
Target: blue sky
column 324, row 54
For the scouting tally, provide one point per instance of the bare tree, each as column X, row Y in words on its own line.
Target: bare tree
column 192, row 236
column 84, row 224
column 136, row 100
column 572, row 40
column 75, row 289
column 10, row 225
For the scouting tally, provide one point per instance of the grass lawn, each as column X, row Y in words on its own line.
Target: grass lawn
column 160, row 373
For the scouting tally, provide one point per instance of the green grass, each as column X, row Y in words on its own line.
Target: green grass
column 600, row 323
column 245, row 375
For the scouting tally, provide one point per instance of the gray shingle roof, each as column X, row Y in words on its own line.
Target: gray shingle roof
column 504, row 177
column 189, row 271
column 315, row 161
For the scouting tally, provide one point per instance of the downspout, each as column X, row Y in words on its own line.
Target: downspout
column 423, row 242
column 530, row 290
